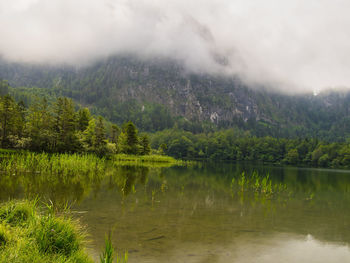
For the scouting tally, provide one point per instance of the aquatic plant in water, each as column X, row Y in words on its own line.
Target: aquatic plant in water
column 107, row 255
column 256, row 183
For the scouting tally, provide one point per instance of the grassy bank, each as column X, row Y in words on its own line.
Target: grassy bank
column 60, row 164
column 73, row 164
column 146, row 160
column 28, row 234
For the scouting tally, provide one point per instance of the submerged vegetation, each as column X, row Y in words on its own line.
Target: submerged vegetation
column 30, row 235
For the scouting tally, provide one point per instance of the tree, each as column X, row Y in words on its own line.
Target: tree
column 64, row 127
column 38, row 127
column 9, row 115
column 4, row 87
column 162, row 148
column 115, row 133
column 292, row 157
column 100, row 134
column 145, row 145
column 131, row 138
column 89, row 135
column 83, row 117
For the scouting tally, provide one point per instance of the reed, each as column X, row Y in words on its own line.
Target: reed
column 57, row 164
column 13, row 163
column 258, row 184
column 107, row 255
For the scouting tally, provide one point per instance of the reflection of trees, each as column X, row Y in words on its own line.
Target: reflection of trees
column 124, row 178
column 70, row 188
column 206, row 190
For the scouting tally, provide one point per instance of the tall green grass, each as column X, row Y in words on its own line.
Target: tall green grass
column 72, row 164
column 107, row 255
column 28, row 234
column 60, row 164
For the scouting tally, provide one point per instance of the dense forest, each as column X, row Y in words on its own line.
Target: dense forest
column 57, row 124
column 236, row 145
column 61, row 126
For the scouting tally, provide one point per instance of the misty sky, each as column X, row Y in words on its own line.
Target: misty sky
column 290, row 44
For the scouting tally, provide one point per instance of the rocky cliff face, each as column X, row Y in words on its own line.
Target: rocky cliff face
column 222, row 101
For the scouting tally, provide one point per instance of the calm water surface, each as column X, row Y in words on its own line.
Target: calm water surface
column 193, row 214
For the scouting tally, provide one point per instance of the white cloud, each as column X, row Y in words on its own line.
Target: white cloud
column 291, row 44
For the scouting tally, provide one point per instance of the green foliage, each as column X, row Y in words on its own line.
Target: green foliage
column 64, row 126
column 233, row 145
column 57, row 127
column 292, row 157
column 131, row 138
column 145, row 145
column 84, row 117
column 11, row 120
column 4, row 87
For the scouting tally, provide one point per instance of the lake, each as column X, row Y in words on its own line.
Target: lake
column 204, row 213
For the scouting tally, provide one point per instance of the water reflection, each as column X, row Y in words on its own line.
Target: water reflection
column 193, row 214
column 261, row 249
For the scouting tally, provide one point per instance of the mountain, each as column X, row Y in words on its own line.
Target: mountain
column 158, row 94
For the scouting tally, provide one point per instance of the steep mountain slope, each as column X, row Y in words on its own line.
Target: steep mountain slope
column 157, row 93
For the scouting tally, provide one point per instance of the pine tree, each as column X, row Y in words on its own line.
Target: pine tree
column 145, row 145
column 65, row 126
column 100, row 133
column 38, row 127
column 89, row 135
column 8, row 114
column 131, row 138
column 4, row 87
column 84, row 117
column 162, row 148
column 115, row 133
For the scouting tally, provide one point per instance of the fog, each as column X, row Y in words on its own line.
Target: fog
column 292, row 45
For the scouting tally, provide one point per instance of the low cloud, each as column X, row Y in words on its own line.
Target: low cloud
column 286, row 44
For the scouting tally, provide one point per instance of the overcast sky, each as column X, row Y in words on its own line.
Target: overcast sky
column 299, row 45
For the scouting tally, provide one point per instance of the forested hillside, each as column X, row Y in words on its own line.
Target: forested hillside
column 157, row 95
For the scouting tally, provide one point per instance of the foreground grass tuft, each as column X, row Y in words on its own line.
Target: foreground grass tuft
column 30, row 235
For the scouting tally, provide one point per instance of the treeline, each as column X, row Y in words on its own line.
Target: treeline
column 236, row 145
column 61, row 126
